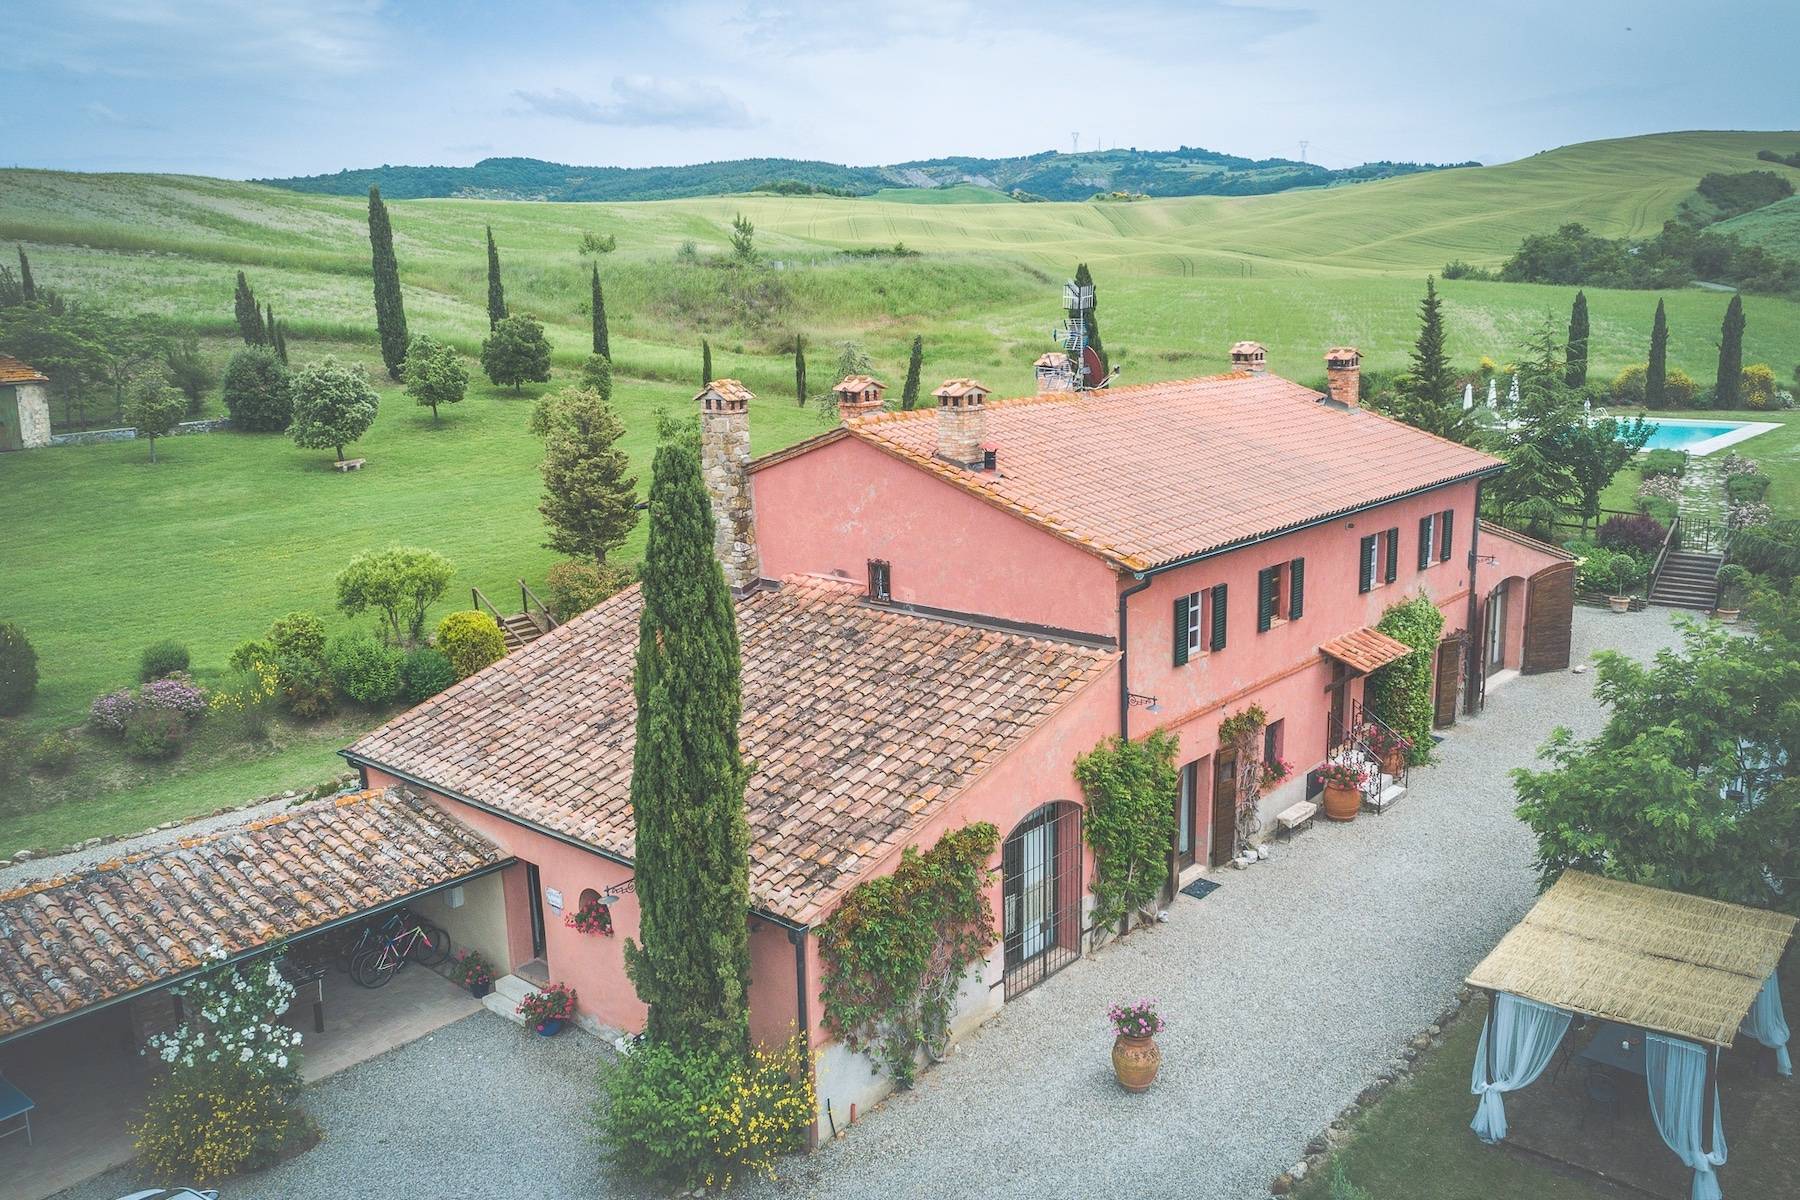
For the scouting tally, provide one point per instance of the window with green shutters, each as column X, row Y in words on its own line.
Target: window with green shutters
column 1393, row 555
column 1425, row 546
column 1218, row 616
column 1268, row 597
column 1296, row 588
column 1365, row 571
column 1184, row 611
column 1446, row 522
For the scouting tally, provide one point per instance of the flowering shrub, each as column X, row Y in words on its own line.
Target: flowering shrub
column 1746, row 516
column 54, row 753
column 1736, row 464
column 762, row 1112
column 248, row 696
column 1275, row 770
column 471, row 970
column 1382, row 741
column 175, row 693
column 1138, row 1019
column 591, row 917
column 110, row 712
column 554, row 1003
column 1660, row 487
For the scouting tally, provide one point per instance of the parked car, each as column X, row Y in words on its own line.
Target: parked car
column 179, row 1193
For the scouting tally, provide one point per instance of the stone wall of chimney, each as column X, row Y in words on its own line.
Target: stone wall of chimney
column 961, row 421
column 725, row 466
column 1343, row 375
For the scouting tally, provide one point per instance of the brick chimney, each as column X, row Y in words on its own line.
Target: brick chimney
column 961, row 422
column 1343, row 375
column 724, row 464
column 1055, row 372
column 1249, row 356
column 858, row 395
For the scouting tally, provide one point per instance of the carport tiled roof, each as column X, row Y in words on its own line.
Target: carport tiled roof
column 1149, row 474
column 73, row 941
column 861, row 720
column 1366, row 649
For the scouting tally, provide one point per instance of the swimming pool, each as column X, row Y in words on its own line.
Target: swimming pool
column 1701, row 437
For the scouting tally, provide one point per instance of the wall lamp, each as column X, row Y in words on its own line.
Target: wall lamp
column 1148, row 703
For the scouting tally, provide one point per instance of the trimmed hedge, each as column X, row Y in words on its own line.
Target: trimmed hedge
column 1663, row 462
column 364, row 669
column 18, row 670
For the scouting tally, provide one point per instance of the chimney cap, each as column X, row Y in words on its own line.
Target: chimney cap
column 725, row 395
column 960, row 391
column 1247, row 348
column 1343, row 356
column 1055, row 358
column 857, row 384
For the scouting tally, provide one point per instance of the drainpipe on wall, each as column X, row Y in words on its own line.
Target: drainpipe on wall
column 798, row 938
column 1143, row 581
column 1473, row 663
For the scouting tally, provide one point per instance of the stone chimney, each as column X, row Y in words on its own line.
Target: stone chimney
column 858, row 395
column 961, row 422
column 1249, row 356
column 1343, row 375
column 725, row 465
column 1055, row 372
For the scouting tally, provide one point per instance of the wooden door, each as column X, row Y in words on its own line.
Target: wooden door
column 1549, row 617
column 1224, row 807
column 1449, row 670
column 1475, row 694
column 1334, row 718
column 10, row 436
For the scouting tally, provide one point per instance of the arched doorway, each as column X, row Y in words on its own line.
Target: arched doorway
column 1040, row 888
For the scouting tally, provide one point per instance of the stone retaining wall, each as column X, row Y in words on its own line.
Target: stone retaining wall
column 94, row 437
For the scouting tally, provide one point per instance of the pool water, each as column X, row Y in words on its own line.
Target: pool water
column 1668, row 435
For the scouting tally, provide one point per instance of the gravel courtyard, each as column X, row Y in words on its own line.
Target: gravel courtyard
column 1286, row 990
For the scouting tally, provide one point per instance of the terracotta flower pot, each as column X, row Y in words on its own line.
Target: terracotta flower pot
column 1728, row 615
column 1619, row 603
column 1393, row 762
column 1136, row 1060
column 1342, row 803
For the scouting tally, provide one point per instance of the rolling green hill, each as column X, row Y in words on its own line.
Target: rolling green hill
column 1775, row 228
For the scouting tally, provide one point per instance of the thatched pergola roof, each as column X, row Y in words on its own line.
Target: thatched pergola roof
column 1660, row 960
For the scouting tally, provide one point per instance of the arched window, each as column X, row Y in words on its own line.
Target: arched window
column 1040, row 891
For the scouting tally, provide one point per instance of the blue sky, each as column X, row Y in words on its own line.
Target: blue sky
column 279, row 87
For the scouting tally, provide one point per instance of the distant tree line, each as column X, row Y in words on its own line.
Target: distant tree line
column 1674, row 258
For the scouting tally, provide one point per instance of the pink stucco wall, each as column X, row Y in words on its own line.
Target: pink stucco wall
column 1513, row 566
column 833, row 509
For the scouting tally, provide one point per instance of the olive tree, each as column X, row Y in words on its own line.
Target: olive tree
column 333, row 406
column 435, row 374
column 399, row 583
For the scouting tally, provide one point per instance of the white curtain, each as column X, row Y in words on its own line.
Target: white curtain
column 1525, row 1034
column 1767, row 1024
column 1676, row 1073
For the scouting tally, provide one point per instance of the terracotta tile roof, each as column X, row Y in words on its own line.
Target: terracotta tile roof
column 858, row 383
column 1148, row 474
column 1489, row 529
column 70, row 942
column 728, row 389
column 862, row 721
column 1053, row 358
column 1366, row 649
column 14, row 371
column 956, row 388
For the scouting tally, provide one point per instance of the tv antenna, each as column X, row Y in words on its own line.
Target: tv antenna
column 1084, row 362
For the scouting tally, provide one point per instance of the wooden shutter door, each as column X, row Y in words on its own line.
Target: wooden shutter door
column 1549, row 617
column 1267, row 582
column 1365, row 577
column 1446, row 523
column 1424, row 542
column 1393, row 555
column 1218, row 617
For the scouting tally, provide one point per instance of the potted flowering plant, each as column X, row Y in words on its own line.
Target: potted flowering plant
column 1275, row 771
column 1390, row 747
column 1344, row 780
column 594, row 916
column 473, row 972
column 1625, row 573
column 546, row 1010
column 1136, row 1058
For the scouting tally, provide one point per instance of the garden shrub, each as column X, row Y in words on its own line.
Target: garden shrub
column 53, row 754
column 364, row 669
column 298, row 635
column 258, row 391
column 248, row 696
column 109, row 713
column 575, row 587
column 1639, row 533
column 1757, row 387
column 1662, row 462
column 899, row 945
column 1680, row 390
column 471, row 641
column 1400, row 693
column 1628, row 385
column 1746, row 489
column 247, row 654
column 162, row 658
column 1594, row 571
column 1130, row 822
column 424, row 673
column 155, row 733
column 307, row 688
column 175, row 693
column 18, row 670
column 701, row 1120
column 1771, row 549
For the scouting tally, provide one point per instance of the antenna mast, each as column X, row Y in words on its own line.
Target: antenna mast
column 1303, row 145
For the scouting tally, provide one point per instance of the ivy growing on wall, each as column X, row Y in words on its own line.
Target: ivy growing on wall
column 896, row 949
column 1130, row 822
column 1399, row 694
column 1242, row 731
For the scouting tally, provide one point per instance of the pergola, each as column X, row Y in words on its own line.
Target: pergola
column 1687, row 971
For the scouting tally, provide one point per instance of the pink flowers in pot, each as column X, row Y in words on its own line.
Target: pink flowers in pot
column 1344, row 774
column 1383, row 741
column 554, row 1003
column 1137, row 1019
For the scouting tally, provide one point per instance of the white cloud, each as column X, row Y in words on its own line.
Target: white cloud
column 187, row 39
column 643, row 101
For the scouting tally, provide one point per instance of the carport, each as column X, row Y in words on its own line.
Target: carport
column 87, row 961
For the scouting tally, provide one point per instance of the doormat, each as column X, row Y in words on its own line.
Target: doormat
column 1200, row 889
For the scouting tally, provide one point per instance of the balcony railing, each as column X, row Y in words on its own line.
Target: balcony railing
column 1363, row 742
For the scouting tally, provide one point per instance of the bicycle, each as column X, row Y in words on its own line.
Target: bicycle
column 413, row 941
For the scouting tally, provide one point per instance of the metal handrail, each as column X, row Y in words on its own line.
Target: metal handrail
column 1357, row 743
column 479, row 602
column 543, row 618
column 1670, row 540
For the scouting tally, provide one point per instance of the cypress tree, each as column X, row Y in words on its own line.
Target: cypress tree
column 1576, row 356
column 1084, row 279
column 909, row 394
column 497, row 293
column 269, row 324
column 27, row 285
column 705, row 363
column 249, row 315
column 590, row 495
column 602, row 343
column 1729, row 385
column 1426, row 397
column 280, row 335
column 390, row 312
column 692, row 967
column 799, row 371
column 1657, row 374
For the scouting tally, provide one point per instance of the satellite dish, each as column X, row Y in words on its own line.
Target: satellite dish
column 1092, row 372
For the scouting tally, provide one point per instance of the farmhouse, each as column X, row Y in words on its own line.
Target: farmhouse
column 939, row 610
column 24, row 406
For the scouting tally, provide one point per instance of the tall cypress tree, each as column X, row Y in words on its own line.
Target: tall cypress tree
column 1084, row 279
column 1576, row 356
column 27, row 285
column 390, row 312
column 249, row 314
column 280, row 336
column 602, row 343
column 799, row 370
column 1656, row 376
column 497, row 293
column 705, row 363
column 909, row 394
column 1728, row 387
column 687, row 780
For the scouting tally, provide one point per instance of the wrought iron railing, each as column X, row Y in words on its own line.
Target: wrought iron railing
column 1365, row 739
column 1671, row 540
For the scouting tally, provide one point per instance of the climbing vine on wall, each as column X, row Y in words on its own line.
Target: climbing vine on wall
column 1399, row 694
column 1242, row 731
column 899, row 945
column 1130, row 821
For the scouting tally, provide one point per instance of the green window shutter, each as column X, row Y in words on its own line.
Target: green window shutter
column 1296, row 588
column 1181, row 624
column 1424, row 542
column 1393, row 554
column 1218, row 617
column 1446, row 522
column 1267, row 580
column 1365, row 578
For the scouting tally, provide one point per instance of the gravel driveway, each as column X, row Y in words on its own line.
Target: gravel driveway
column 1286, row 990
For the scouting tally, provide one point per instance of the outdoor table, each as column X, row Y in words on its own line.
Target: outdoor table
column 1618, row 1046
column 300, row 972
column 15, row 1104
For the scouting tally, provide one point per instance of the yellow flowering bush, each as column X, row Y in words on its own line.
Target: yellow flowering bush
column 212, row 1121
column 762, row 1113
column 247, row 695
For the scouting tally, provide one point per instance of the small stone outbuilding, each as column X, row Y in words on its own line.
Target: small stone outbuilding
column 24, row 406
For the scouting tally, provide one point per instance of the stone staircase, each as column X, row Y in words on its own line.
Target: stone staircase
column 1687, row 580
column 504, row 999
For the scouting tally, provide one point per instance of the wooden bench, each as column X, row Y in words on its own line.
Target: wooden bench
column 350, row 464
column 1300, row 813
